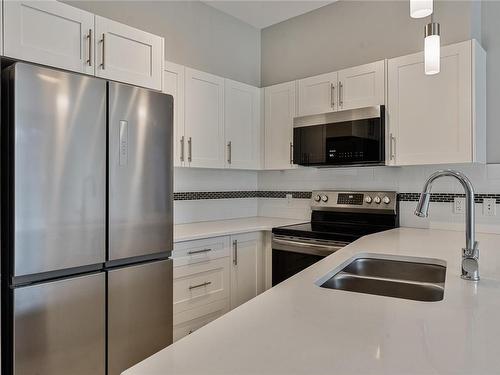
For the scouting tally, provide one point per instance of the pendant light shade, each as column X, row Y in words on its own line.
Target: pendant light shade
column 421, row 8
column 432, row 48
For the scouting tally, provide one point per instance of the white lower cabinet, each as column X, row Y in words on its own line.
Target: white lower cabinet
column 438, row 119
column 247, row 267
column 214, row 275
column 49, row 33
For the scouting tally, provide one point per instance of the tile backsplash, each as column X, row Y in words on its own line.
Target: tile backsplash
column 224, row 194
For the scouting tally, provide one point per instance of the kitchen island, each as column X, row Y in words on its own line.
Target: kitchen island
column 299, row 328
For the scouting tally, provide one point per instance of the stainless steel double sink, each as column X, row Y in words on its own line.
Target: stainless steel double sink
column 413, row 280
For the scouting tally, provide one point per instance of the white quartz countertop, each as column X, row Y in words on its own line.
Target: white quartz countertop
column 300, row 328
column 206, row 229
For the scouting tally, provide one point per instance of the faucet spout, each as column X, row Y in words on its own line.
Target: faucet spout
column 470, row 254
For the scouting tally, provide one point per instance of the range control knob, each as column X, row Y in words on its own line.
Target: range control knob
column 368, row 199
column 377, row 200
column 324, row 198
column 386, row 200
column 317, row 198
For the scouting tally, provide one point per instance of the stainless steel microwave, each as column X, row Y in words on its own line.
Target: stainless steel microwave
column 344, row 138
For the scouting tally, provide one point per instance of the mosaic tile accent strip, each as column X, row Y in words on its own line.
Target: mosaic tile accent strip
column 403, row 197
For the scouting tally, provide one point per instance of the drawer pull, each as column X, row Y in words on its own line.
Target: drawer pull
column 200, row 285
column 199, row 251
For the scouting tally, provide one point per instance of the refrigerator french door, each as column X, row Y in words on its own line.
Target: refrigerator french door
column 140, row 225
column 86, row 234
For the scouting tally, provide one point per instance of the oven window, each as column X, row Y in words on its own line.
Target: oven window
column 287, row 264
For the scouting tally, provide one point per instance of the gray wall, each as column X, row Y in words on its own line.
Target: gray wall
column 196, row 35
column 350, row 33
column 491, row 43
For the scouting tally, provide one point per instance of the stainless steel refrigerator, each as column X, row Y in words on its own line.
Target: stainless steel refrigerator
column 86, row 223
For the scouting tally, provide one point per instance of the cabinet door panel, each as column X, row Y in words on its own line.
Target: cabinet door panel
column 430, row 116
column 127, row 54
column 204, row 119
column 173, row 84
column 49, row 33
column 242, row 120
column 362, row 86
column 247, row 276
column 317, row 94
column 279, row 112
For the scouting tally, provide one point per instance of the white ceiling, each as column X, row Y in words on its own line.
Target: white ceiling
column 261, row 14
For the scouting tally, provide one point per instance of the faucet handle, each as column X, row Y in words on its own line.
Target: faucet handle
column 471, row 253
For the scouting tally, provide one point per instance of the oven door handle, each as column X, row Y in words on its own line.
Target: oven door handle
column 305, row 247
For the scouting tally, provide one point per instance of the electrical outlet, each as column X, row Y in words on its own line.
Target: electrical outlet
column 459, row 205
column 489, row 207
column 289, row 198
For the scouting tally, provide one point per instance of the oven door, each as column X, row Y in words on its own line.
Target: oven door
column 355, row 137
column 294, row 254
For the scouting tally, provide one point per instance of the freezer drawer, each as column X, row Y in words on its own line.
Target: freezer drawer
column 57, row 132
column 140, row 172
column 59, row 327
column 139, row 313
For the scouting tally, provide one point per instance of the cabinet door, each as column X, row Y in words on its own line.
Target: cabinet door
column 242, row 125
column 279, row 106
column 247, row 271
column 430, row 116
column 49, row 33
column 317, row 94
column 204, row 119
column 362, row 86
column 128, row 55
column 173, row 84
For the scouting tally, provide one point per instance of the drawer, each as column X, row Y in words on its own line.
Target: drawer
column 192, row 252
column 189, row 321
column 198, row 284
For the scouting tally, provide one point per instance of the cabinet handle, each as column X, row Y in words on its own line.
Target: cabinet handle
column 341, row 94
column 89, row 38
column 332, row 95
column 392, row 146
column 235, row 251
column 190, row 149
column 229, row 145
column 199, row 251
column 200, row 285
column 103, row 41
column 182, row 149
column 291, row 153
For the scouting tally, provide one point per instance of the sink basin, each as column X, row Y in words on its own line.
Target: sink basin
column 391, row 278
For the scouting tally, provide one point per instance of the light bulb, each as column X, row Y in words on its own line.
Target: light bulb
column 432, row 49
column 421, row 8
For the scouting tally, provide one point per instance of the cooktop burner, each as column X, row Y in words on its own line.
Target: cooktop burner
column 346, row 216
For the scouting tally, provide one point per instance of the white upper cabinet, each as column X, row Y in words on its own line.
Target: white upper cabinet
column 129, row 55
column 242, row 125
column 49, row 33
column 1, row 30
column 279, row 106
column 173, row 84
column 247, row 270
column 362, row 86
column 440, row 118
column 317, row 94
column 204, row 119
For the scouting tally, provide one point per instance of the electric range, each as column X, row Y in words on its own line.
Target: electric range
column 337, row 219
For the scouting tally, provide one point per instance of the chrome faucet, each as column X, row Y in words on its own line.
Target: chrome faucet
column 470, row 254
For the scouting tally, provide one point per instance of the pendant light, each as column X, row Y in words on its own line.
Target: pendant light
column 421, row 8
column 432, row 48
